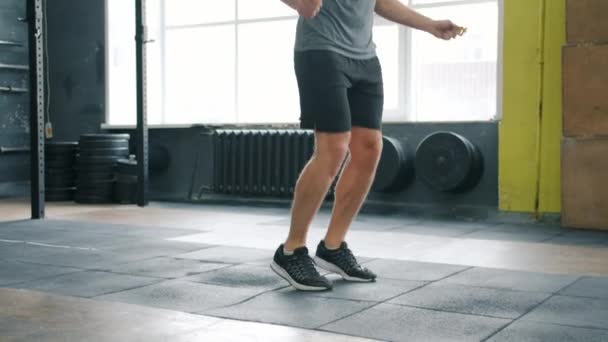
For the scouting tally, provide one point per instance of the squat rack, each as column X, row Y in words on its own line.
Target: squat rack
column 35, row 16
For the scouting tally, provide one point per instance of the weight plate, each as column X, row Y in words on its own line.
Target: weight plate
column 52, row 181
column 125, row 193
column 59, row 153
column 94, row 184
column 448, row 162
column 100, row 192
column 92, row 144
column 60, row 171
column 395, row 169
column 105, row 191
column 477, row 169
column 59, row 163
column 59, row 198
column 120, row 200
column 94, row 168
column 63, row 146
column 92, row 199
column 84, row 160
column 127, row 162
column 71, row 188
column 126, row 179
column 85, row 197
column 126, row 167
column 59, row 194
column 121, row 170
column 99, row 152
column 95, row 176
column 61, row 157
column 102, row 136
column 60, row 184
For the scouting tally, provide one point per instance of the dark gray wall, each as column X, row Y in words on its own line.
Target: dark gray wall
column 76, row 31
column 76, row 65
column 484, row 135
column 14, row 108
column 191, row 170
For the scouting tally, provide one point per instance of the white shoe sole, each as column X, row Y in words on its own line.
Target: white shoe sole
column 328, row 266
column 280, row 271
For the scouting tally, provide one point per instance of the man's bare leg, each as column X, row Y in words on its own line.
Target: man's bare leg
column 330, row 151
column 354, row 183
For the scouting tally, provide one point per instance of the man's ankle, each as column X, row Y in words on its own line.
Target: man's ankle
column 290, row 247
column 331, row 246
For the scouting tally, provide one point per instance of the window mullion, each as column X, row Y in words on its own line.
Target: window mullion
column 406, row 99
column 499, row 61
column 236, row 61
column 447, row 3
column 163, row 60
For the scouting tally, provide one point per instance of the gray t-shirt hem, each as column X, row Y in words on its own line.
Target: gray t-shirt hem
column 345, row 53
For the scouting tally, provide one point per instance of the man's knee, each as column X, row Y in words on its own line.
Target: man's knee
column 366, row 150
column 330, row 152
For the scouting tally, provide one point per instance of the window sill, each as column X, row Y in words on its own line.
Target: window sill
column 282, row 125
column 163, row 126
column 219, row 126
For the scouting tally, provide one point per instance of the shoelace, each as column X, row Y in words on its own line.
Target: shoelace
column 346, row 259
column 304, row 266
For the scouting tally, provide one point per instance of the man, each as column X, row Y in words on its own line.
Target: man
column 341, row 98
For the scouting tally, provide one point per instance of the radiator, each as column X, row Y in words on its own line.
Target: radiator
column 259, row 162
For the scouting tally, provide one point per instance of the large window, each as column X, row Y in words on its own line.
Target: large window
column 231, row 61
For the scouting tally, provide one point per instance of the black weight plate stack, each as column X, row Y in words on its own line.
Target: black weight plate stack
column 60, row 194
column 125, row 188
column 60, row 178
column 96, row 160
column 448, row 162
column 396, row 167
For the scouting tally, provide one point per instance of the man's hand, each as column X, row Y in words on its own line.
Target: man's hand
column 445, row 29
column 308, row 8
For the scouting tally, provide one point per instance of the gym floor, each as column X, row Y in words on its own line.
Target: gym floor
column 184, row 272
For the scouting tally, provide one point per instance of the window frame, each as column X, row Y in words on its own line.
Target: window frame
column 405, row 110
column 403, row 113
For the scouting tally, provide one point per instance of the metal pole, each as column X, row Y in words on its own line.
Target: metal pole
column 35, row 17
column 141, row 38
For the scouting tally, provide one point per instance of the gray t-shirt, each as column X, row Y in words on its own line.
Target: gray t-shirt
column 342, row 26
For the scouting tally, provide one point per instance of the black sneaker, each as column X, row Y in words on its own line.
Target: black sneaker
column 299, row 270
column 343, row 262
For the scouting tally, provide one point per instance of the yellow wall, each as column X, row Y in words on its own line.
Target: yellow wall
column 529, row 143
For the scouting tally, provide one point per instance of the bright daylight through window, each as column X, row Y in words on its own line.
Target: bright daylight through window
column 231, row 61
